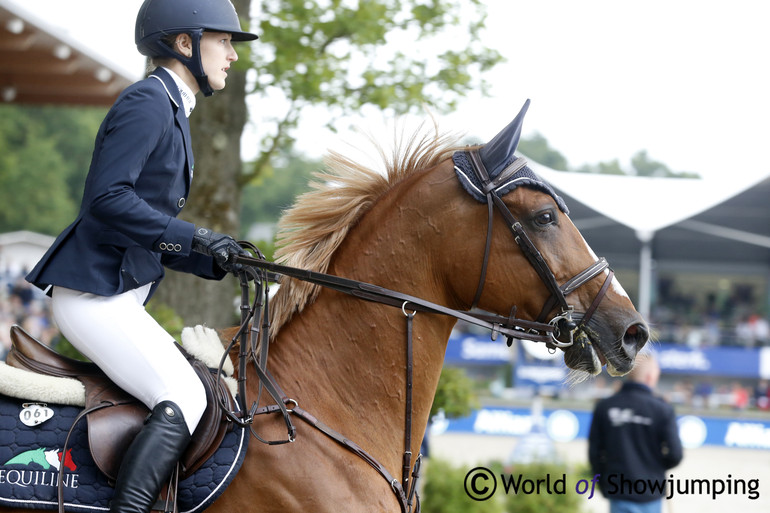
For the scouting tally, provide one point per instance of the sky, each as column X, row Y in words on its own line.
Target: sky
column 687, row 81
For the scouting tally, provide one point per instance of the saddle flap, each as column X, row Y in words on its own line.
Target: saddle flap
column 111, row 430
column 110, row 433
column 29, row 476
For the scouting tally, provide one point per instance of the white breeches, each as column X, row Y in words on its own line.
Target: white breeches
column 119, row 336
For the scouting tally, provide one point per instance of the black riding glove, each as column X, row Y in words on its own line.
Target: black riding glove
column 222, row 247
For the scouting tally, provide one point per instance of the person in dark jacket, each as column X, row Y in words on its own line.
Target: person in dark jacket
column 633, row 441
column 105, row 266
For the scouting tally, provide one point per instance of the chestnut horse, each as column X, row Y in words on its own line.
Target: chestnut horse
column 343, row 360
column 424, row 229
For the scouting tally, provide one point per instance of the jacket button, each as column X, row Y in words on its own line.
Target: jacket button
column 181, row 202
column 177, row 247
column 162, row 246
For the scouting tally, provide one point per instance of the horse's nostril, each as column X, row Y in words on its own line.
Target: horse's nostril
column 634, row 339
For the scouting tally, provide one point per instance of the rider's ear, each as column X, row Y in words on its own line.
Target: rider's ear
column 184, row 45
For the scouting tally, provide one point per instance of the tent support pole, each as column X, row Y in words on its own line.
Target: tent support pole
column 645, row 273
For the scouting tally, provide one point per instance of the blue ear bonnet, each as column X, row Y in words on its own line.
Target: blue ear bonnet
column 525, row 176
column 497, row 156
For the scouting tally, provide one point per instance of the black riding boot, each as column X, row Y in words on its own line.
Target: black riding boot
column 150, row 459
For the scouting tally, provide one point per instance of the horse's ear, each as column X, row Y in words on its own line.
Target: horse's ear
column 499, row 151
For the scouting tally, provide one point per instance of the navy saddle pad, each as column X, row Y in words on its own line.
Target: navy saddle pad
column 32, row 457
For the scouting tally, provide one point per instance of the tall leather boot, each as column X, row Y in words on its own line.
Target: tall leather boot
column 150, row 459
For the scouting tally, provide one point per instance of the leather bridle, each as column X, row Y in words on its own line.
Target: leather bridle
column 562, row 322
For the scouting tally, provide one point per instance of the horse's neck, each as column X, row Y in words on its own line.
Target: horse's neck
column 347, row 357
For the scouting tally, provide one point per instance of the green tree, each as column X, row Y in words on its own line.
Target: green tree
column 455, row 394
column 643, row 165
column 274, row 190
column 44, row 157
column 343, row 56
column 338, row 54
column 565, row 500
column 537, row 148
column 444, row 491
column 611, row 167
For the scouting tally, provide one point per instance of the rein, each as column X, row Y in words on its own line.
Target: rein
column 511, row 327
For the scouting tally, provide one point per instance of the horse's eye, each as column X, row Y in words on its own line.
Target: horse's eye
column 545, row 218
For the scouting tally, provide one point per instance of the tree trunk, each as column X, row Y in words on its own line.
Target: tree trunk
column 216, row 125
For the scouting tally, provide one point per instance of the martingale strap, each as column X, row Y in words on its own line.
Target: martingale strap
column 399, row 489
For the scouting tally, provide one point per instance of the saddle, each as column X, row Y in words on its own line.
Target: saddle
column 118, row 416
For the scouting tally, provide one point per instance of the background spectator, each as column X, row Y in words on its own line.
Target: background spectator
column 634, row 436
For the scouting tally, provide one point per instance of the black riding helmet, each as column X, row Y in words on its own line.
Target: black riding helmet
column 160, row 18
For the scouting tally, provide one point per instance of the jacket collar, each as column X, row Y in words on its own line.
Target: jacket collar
column 632, row 385
column 169, row 85
column 187, row 94
column 172, row 90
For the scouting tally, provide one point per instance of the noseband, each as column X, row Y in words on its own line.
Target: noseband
column 562, row 321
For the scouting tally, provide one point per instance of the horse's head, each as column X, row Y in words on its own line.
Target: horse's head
column 569, row 289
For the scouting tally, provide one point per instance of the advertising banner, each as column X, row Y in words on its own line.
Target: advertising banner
column 535, row 365
column 565, row 425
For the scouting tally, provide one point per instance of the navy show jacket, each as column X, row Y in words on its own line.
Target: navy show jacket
column 138, row 182
column 634, row 437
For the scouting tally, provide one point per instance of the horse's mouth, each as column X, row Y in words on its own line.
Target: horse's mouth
column 588, row 354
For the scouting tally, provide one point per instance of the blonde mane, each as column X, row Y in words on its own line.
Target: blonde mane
column 313, row 228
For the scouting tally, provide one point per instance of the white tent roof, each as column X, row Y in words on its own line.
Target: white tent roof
column 645, row 204
column 723, row 223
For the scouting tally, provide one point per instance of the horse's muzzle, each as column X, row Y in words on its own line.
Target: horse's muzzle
column 634, row 339
column 620, row 360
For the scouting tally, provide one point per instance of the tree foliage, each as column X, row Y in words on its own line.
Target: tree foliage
column 347, row 55
column 538, row 149
column 609, row 167
column 44, row 157
column 275, row 189
column 445, row 489
column 643, row 165
column 455, row 395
